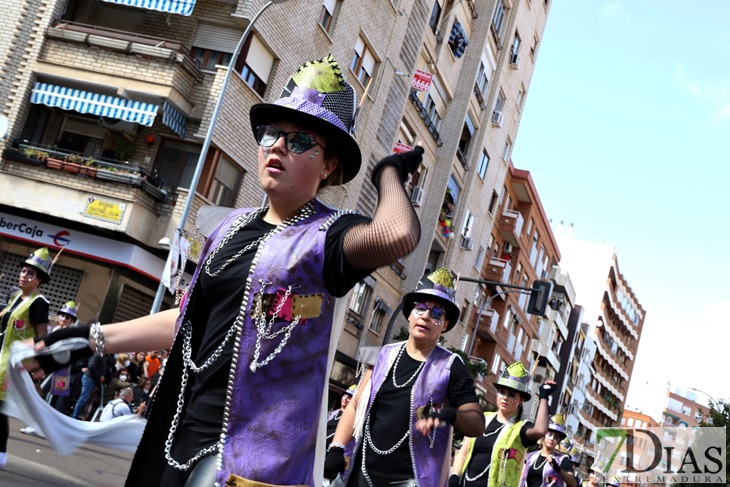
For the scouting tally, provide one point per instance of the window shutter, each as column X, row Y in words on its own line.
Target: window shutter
column 359, row 46
column 121, row 18
column 217, row 38
column 330, row 6
column 259, row 59
column 368, row 63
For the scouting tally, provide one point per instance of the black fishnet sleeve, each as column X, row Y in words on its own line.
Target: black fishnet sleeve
column 393, row 232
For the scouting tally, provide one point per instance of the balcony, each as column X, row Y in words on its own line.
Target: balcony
column 480, row 96
column 116, row 196
column 488, row 322
column 498, row 270
column 122, row 60
column 510, row 226
column 413, row 96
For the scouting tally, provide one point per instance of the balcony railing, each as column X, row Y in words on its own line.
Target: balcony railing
column 128, row 42
column 510, row 226
column 426, row 119
column 498, row 270
column 118, row 172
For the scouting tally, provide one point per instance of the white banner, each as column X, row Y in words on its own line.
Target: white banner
column 81, row 244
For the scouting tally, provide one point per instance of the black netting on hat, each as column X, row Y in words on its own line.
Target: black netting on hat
column 342, row 104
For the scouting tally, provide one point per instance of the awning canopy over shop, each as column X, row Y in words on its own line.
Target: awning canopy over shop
column 181, row 7
column 107, row 106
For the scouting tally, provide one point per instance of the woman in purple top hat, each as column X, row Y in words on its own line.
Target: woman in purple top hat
column 549, row 467
column 243, row 398
column 416, row 387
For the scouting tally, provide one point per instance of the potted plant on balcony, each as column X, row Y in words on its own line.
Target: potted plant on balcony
column 27, row 154
column 73, row 163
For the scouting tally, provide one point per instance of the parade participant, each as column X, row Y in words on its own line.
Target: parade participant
column 575, row 461
column 25, row 316
column 595, row 479
column 57, row 386
column 335, row 415
column 243, row 395
column 548, row 467
column 416, row 386
column 495, row 458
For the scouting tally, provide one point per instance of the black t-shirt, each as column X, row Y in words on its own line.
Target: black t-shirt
column 38, row 312
column 390, row 417
column 216, row 302
column 534, row 475
column 481, row 456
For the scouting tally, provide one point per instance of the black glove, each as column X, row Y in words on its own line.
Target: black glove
column 54, row 361
column 334, row 462
column 406, row 163
column 556, row 466
column 546, row 390
column 454, row 480
column 446, row 414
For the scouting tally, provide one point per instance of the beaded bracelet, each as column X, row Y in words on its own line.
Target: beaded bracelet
column 97, row 333
column 336, row 444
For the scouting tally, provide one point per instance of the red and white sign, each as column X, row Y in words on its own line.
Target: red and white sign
column 421, row 80
column 401, row 148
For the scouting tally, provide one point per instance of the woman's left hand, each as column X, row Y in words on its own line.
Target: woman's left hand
column 426, row 425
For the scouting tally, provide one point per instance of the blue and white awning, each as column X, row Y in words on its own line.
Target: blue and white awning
column 181, row 7
column 94, row 103
column 174, row 119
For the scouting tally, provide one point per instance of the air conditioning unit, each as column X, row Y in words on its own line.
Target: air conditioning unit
column 116, row 125
column 508, row 247
column 467, row 243
column 497, row 118
column 514, row 61
column 417, row 196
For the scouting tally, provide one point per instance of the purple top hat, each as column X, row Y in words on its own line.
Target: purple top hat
column 318, row 97
column 439, row 287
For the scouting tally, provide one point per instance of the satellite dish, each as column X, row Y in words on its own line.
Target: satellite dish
column 3, row 126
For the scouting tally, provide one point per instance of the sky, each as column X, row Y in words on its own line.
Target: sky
column 626, row 132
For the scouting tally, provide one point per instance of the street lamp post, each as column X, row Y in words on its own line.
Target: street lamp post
column 206, row 144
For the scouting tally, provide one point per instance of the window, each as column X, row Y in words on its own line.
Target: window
column 493, row 202
column 498, row 18
column 363, row 62
column 499, row 104
column 431, row 109
column 466, row 228
column 466, row 135
column 482, row 81
column 496, row 363
column 515, row 49
column 520, row 98
column 530, row 226
column 507, row 149
column 214, row 44
column 533, row 247
column 255, row 64
column 533, row 48
column 225, row 182
column 175, row 162
column 330, row 9
column 435, row 16
column 458, row 39
column 360, row 295
column 378, row 320
column 480, row 258
column 483, row 163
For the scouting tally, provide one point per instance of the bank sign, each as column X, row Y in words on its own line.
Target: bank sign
column 662, row 455
column 82, row 244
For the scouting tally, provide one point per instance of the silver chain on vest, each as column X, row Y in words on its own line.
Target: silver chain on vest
column 236, row 329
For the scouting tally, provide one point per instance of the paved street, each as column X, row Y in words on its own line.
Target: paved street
column 32, row 463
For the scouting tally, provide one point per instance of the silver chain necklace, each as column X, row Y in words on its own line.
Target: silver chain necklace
column 486, row 435
column 395, row 368
column 534, row 462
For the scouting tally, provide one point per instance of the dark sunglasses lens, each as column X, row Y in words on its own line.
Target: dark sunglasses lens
column 299, row 142
column 437, row 313
column 420, row 308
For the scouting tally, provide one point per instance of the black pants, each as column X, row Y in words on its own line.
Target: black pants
column 187, row 443
column 4, row 431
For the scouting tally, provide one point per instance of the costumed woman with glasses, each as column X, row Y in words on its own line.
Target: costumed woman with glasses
column 25, row 316
column 548, row 466
column 419, row 391
column 495, row 457
column 243, row 397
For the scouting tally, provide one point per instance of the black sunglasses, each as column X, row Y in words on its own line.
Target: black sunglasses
column 436, row 312
column 296, row 142
column 508, row 393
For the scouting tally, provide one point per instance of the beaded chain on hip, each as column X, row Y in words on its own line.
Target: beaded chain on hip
column 237, row 329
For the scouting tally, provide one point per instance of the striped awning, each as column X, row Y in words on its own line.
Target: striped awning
column 94, row 103
column 174, row 119
column 181, row 7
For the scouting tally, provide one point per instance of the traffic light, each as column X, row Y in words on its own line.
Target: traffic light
column 539, row 297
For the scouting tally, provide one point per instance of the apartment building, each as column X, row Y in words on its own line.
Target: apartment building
column 683, row 408
column 614, row 320
column 109, row 102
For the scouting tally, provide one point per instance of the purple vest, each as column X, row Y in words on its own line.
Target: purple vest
column 431, row 460
column 271, row 431
column 548, row 473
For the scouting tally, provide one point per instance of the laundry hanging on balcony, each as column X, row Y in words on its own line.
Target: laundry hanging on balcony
column 108, row 106
column 94, row 103
column 458, row 39
column 181, row 7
